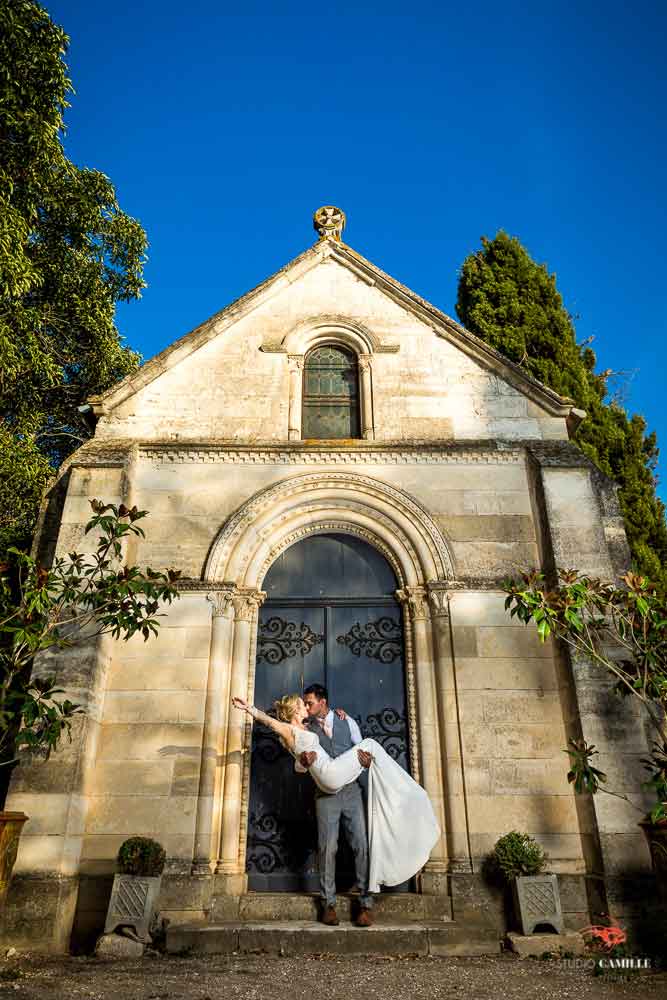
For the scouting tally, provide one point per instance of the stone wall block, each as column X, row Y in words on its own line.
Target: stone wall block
column 154, row 707
column 529, row 741
column 165, row 674
column 498, row 674
column 521, row 707
column 493, row 560
column 511, row 641
column 531, row 813
column 155, row 816
column 133, row 777
column 492, row 527
column 138, row 742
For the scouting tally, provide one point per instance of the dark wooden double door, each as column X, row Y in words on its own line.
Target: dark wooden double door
column 330, row 618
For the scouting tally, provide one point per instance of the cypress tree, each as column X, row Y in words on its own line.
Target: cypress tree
column 512, row 303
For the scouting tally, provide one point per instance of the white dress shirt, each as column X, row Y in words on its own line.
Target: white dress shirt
column 355, row 735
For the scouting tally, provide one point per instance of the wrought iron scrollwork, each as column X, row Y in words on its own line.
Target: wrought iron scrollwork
column 389, row 728
column 279, row 639
column 266, row 746
column 267, row 849
column 274, row 845
column 379, row 640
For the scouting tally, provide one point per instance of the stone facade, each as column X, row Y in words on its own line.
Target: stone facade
column 462, row 475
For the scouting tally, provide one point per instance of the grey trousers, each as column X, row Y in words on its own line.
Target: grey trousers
column 347, row 805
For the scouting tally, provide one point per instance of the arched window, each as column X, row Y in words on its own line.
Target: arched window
column 330, row 394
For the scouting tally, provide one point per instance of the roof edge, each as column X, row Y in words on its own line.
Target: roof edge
column 443, row 325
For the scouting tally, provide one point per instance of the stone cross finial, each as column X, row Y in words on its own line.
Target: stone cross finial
column 329, row 221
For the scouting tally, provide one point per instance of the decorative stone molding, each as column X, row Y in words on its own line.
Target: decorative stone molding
column 295, row 364
column 247, row 746
column 411, row 697
column 368, row 420
column 246, row 603
column 332, row 526
column 416, row 599
column 197, row 454
column 343, row 523
column 329, row 221
column 223, row 603
column 235, row 603
column 325, row 328
column 438, row 596
column 188, row 585
column 369, row 499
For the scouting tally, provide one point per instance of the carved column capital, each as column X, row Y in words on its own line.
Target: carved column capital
column 438, row 597
column 365, row 361
column 246, row 602
column 223, row 602
column 295, row 362
column 415, row 602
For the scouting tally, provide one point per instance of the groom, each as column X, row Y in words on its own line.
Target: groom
column 337, row 735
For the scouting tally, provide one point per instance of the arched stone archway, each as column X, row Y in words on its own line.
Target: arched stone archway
column 252, row 537
column 388, row 518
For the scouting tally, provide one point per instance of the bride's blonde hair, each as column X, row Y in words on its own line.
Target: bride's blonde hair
column 286, row 707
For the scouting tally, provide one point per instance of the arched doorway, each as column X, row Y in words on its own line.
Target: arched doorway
column 331, row 617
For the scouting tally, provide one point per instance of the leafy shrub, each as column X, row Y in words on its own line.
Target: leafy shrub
column 517, row 854
column 141, row 856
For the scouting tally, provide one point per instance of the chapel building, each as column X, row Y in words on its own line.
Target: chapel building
column 344, row 476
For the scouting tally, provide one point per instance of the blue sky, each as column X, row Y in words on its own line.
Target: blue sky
column 429, row 124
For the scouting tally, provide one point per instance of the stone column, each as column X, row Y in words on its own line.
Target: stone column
column 295, row 362
column 215, row 721
column 453, row 764
column 416, row 611
column 367, row 429
column 231, row 877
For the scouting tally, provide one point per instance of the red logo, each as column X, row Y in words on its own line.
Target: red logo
column 605, row 938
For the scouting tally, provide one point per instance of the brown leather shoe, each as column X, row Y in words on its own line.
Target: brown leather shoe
column 329, row 916
column 364, row 918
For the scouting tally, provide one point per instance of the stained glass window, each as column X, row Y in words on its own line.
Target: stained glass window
column 330, row 394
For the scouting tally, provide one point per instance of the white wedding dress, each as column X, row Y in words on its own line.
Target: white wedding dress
column 402, row 828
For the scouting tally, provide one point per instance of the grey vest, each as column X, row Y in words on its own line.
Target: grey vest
column 341, row 740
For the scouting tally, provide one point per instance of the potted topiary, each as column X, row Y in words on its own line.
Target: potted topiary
column 136, row 887
column 520, row 861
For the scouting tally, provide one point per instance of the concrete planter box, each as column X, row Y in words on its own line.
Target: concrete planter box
column 132, row 904
column 537, row 901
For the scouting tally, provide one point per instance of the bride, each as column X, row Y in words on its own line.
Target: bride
column 402, row 828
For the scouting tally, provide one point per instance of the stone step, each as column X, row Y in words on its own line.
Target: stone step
column 392, row 908
column 304, row 937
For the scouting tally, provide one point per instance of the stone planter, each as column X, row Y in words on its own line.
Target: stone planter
column 11, row 824
column 656, row 838
column 537, row 901
column 132, row 903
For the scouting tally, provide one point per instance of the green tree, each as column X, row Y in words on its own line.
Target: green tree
column 67, row 256
column 43, row 611
column 621, row 629
column 512, row 303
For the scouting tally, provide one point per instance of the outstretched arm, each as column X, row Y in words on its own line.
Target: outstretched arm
column 283, row 730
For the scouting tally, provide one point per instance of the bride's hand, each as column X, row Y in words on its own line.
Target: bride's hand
column 240, row 703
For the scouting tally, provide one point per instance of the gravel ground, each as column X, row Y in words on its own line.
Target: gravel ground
column 260, row 977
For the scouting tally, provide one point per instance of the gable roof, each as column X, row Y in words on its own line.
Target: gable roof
column 329, row 247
